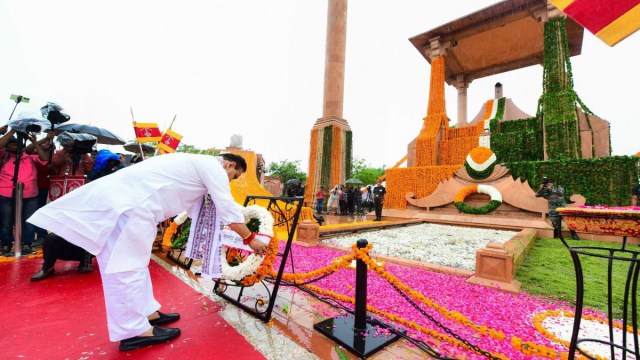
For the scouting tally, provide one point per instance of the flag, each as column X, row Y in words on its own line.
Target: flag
column 147, row 132
column 170, row 141
column 611, row 21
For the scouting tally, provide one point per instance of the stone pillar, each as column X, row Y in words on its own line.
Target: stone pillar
column 331, row 131
column 461, row 86
column 334, row 59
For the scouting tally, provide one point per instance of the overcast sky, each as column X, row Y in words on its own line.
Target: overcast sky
column 256, row 68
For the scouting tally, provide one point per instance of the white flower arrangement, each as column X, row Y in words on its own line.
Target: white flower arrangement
column 253, row 261
column 491, row 191
column 483, row 166
column 181, row 218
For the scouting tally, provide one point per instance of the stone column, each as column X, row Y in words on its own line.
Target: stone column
column 461, row 86
column 334, row 59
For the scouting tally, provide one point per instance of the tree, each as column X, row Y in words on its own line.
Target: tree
column 362, row 171
column 287, row 170
column 186, row 148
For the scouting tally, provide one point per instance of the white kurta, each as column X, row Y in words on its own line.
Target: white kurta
column 115, row 218
column 153, row 190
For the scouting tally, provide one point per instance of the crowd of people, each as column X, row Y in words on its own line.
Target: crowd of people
column 39, row 163
column 351, row 200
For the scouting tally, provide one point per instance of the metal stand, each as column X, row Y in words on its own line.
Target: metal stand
column 286, row 211
column 353, row 332
column 630, row 293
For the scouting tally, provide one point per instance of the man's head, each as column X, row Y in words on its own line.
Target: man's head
column 234, row 165
column 12, row 145
column 379, row 182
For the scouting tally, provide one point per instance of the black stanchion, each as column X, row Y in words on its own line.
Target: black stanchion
column 354, row 332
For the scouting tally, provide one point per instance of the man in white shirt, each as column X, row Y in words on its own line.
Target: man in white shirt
column 115, row 218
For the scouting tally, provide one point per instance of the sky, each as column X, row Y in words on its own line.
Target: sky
column 256, row 68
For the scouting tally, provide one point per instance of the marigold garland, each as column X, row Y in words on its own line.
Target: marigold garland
column 336, row 155
column 310, row 189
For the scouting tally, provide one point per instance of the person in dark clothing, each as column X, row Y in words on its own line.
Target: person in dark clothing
column 53, row 248
column 357, row 200
column 343, row 200
column 555, row 196
column 350, row 199
column 368, row 199
column 635, row 195
column 378, row 199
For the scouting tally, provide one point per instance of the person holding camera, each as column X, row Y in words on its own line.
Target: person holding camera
column 63, row 162
column 555, row 197
column 27, row 174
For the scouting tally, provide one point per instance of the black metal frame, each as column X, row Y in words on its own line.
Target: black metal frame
column 279, row 206
column 630, row 291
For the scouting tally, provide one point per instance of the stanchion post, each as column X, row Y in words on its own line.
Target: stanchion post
column 361, row 291
column 353, row 332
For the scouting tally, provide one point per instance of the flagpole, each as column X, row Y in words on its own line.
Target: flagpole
column 134, row 130
column 170, row 125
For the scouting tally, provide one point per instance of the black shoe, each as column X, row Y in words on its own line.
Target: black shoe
column 85, row 268
column 160, row 335
column 42, row 274
column 165, row 318
column 27, row 250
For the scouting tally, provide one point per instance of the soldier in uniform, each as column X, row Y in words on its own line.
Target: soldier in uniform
column 555, row 196
column 378, row 199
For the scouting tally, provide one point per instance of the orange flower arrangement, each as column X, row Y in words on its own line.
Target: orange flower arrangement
column 436, row 119
column 480, row 154
column 310, row 190
column 168, row 234
column 421, row 181
column 466, row 191
column 336, row 154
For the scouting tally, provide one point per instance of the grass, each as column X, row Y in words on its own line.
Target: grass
column 548, row 270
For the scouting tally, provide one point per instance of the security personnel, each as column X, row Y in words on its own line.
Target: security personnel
column 555, row 198
column 378, row 199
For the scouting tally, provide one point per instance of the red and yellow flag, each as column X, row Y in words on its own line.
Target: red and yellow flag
column 611, row 21
column 147, row 132
column 170, row 141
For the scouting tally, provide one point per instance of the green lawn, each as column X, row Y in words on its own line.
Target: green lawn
column 548, row 270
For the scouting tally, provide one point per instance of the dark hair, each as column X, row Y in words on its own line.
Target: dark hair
column 239, row 160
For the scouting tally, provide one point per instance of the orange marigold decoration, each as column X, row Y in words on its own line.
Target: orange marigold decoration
column 310, row 189
column 436, row 120
column 336, row 155
column 422, row 181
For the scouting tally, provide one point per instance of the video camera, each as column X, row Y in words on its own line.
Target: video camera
column 545, row 181
column 78, row 143
column 53, row 113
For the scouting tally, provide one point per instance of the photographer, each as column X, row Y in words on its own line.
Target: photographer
column 106, row 163
column 27, row 174
column 555, row 196
column 63, row 162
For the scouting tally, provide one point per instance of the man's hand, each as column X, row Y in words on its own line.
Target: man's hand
column 3, row 129
column 258, row 247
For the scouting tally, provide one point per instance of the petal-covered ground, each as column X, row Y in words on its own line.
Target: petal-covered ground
column 506, row 313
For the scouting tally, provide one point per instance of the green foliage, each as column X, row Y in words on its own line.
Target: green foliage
column 182, row 235
column 325, row 174
column 559, row 101
column 517, row 140
column 348, row 154
column 254, row 225
column 548, row 271
column 479, row 175
column 364, row 172
column 602, row 181
column 287, row 170
column 186, row 148
column 482, row 210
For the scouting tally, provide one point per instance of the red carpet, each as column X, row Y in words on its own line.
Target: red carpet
column 63, row 317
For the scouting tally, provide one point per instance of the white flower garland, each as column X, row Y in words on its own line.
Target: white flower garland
column 181, row 218
column 483, row 166
column 491, row 191
column 253, row 261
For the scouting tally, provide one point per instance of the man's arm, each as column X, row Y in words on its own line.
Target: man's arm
column 4, row 140
column 41, row 153
column 258, row 246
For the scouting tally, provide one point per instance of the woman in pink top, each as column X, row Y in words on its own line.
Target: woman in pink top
column 27, row 174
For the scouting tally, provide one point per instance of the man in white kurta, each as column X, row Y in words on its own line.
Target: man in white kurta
column 115, row 218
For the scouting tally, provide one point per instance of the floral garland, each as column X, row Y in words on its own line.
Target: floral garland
column 480, row 162
column 525, row 347
column 250, row 269
column 619, row 221
column 173, row 228
column 496, row 199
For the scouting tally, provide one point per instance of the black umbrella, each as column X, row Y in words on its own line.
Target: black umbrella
column 103, row 136
column 134, row 147
column 353, row 181
column 293, row 182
